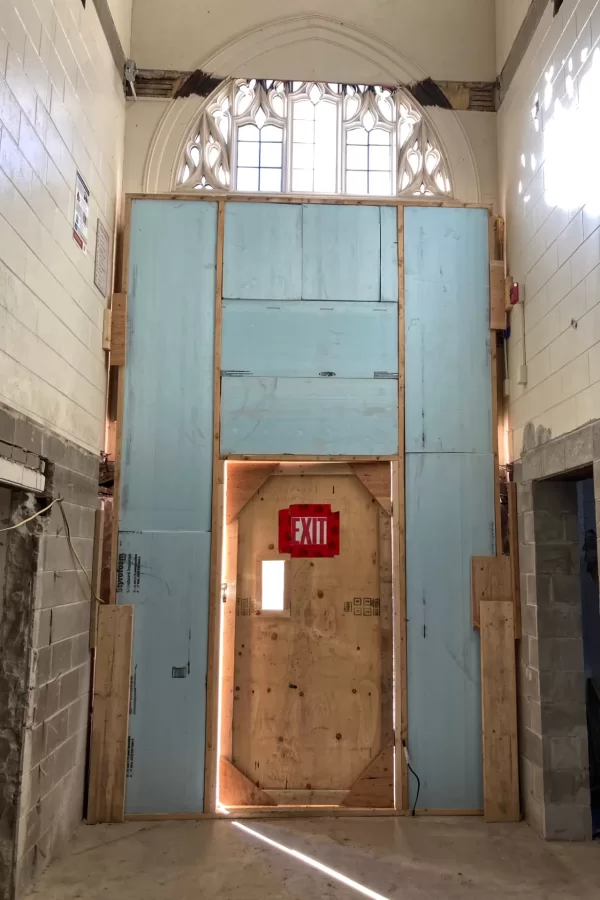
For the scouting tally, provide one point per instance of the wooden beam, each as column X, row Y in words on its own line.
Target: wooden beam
column 96, row 574
column 375, row 787
column 497, row 296
column 499, row 710
column 235, row 789
column 108, row 750
column 491, row 579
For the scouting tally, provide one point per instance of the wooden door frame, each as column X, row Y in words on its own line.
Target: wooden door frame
column 397, row 461
column 243, row 480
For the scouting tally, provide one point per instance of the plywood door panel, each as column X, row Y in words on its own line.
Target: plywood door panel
column 306, row 340
column 263, row 252
column 341, row 253
column 448, row 369
column 166, row 576
column 309, row 416
column 449, row 518
column 167, row 445
column 307, row 707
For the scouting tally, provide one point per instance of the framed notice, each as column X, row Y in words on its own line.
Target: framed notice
column 81, row 213
column 101, row 259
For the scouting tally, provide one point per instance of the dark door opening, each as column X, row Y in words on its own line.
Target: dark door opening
column 590, row 609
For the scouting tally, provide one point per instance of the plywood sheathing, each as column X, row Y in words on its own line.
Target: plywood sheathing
column 108, row 754
column 499, row 705
column 243, row 481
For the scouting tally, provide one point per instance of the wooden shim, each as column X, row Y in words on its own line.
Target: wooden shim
column 386, row 579
column 237, row 790
column 243, row 481
column 118, row 334
column 108, row 753
column 375, row 787
column 491, row 579
column 377, row 478
column 513, row 531
column 499, row 711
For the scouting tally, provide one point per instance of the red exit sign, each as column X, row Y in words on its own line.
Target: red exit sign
column 309, row 530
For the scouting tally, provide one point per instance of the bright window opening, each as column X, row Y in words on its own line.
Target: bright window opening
column 273, row 585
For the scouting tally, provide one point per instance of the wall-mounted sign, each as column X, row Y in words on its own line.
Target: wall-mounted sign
column 309, row 530
column 81, row 213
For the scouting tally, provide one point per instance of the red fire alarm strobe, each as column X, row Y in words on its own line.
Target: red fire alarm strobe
column 309, row 530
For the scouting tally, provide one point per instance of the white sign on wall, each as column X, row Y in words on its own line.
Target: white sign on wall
column 81, row 213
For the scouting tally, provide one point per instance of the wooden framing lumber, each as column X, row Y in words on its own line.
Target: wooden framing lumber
column 375, row 787
column 491, row 579
column 96, row 574
column 499, row 708
column 497, row 296
column 108, row 751
column 236, row 789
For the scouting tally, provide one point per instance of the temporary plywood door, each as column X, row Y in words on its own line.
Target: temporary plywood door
column 312, row 709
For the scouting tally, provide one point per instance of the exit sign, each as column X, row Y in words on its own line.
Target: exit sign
column 309, row 530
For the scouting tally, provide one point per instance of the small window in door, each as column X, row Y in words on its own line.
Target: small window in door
column 272, row 586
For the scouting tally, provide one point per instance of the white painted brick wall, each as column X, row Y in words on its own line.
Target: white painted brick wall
column 61, row 109
column 553, row 251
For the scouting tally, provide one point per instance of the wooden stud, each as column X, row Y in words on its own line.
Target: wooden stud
column 108, row 751
column 211, row 771
column 491, row 579
column 499, row 707
column 513, row 530
column 399, row 551
column 375, row 787
column 235, row 789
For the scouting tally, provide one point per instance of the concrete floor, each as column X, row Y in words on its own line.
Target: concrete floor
column 411, row 859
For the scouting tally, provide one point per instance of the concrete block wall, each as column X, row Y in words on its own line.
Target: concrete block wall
column 45, row 675
column 553, row 235
column 62, row 110
column 553, row 737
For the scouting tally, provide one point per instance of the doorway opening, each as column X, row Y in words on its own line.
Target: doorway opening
column 590, row 626
column 306, row 665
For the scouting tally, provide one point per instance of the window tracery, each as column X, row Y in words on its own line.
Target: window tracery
column 312, row 137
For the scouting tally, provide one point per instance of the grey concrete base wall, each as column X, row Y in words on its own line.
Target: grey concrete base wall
column 553, row 736
column 46, row 613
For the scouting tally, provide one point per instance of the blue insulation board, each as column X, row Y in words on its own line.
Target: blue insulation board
column 298, row 339
column 311, row 416
column 449, row 495
column 165, row 513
